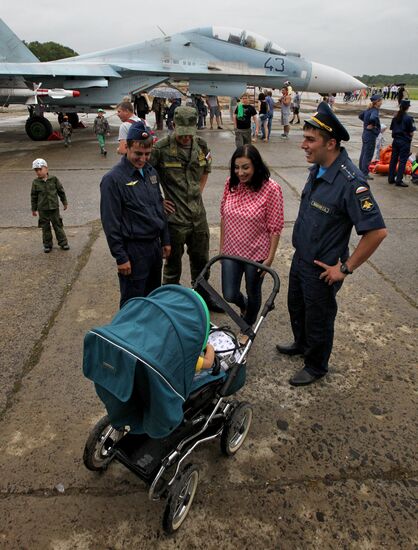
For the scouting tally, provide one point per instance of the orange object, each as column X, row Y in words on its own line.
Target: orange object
column 381, row 166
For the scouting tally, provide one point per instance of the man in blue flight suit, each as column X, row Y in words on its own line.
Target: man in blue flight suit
column 133, row 218
column 336, row 197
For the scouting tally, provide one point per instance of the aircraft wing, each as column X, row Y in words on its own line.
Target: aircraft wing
column 31, row 70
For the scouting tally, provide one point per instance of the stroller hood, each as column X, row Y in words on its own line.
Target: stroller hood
column 143, row 362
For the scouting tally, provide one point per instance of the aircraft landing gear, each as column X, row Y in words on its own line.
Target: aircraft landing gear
column 38, row 127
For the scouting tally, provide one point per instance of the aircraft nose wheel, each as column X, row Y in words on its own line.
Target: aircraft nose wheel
column 181, row 495
column 236, row 429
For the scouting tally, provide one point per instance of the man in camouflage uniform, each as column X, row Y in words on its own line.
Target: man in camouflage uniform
column 183, row 162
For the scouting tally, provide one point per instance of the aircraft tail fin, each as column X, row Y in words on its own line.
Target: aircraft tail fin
column 12, row 49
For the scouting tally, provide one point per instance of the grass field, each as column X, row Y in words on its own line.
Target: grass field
column 413, row 93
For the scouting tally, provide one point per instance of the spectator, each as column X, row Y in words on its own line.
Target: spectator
column 102, row 129
column 251, row 223
column 243, row 115
column 214, row 110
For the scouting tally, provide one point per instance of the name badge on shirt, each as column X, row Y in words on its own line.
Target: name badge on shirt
column 154, row 179
column 320, row 207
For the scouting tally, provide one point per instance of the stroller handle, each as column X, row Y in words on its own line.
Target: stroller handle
column 269, row 305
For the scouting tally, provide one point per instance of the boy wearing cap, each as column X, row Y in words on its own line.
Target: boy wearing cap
column 336, row 197
column 133, row 217
column 101, row 129
column 183, row 162
column 44, row 198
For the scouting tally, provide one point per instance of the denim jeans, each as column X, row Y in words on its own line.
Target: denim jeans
column 232, row 273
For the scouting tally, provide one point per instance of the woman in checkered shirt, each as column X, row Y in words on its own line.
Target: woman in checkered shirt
column 251, row 222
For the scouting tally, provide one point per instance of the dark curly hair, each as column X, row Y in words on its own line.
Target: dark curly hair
column 261, row 172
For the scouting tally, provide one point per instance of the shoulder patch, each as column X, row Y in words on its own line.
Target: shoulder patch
column 361, row 189
column 366, row 203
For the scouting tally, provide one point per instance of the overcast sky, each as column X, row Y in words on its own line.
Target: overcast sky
column 356, row 36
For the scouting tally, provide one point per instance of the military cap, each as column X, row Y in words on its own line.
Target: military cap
column 324, row 119
column 185, row 119
column 101, row 111
column 138, row 132
column 405, row 103
column 376, row 97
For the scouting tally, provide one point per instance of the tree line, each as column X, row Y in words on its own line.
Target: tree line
column 381, row 79
column 49, row 51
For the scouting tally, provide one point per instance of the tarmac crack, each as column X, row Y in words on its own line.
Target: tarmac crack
column 38, row 346
column 395, row 475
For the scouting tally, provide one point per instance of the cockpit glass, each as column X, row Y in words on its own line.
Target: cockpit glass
column 247, row 39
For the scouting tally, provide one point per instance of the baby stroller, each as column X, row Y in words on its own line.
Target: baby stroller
column 143, row 366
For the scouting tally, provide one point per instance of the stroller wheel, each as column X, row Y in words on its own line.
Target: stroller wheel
column 98, row 451
column 180, row 498
column 236, row 429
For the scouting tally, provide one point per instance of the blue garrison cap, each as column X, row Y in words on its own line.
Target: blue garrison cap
column 138, row 132
column 405, row 103
column 324, row 119
column 376, row 97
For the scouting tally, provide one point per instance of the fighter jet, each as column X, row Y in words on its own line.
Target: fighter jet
column 213, row 60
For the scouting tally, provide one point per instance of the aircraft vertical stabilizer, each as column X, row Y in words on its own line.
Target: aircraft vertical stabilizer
column 12, row 49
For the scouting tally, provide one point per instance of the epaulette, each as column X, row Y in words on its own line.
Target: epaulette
column 346, row 172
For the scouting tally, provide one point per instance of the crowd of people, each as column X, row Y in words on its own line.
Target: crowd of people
column 152, row 208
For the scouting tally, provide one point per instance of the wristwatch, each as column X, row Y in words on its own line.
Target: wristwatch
column 344, row 269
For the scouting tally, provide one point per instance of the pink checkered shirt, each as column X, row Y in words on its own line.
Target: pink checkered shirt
column 250, row 218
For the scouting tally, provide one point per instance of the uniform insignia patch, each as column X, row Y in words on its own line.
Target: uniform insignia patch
column 154, row 179
column 131, row 183
column 361, row 189
column 320, row 207
column 366, row 204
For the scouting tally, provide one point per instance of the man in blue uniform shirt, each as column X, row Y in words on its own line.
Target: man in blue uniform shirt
column 336, row 197
column 133, row 218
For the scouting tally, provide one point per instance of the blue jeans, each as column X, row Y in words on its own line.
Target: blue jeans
column 232, row 273
column 263, row 119
column 269, row 123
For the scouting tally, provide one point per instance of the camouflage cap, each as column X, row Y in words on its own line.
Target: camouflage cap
column 185, row 120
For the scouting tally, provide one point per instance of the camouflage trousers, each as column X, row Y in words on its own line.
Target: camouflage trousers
column 197, row 243
column 46, row 218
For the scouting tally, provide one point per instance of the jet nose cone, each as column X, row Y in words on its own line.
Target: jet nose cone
column 326, row 79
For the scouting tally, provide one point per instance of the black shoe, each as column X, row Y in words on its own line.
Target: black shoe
column 391, row 181
column 220, row 128
column 47, row 249
column 303, row 378
column 369, row 177
column 289, row 349
column 401, row 184
column 65, row 247
column 104, row 153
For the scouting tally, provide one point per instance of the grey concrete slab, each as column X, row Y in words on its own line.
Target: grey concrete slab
column 329, row 466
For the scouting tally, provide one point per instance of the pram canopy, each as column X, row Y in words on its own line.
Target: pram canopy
column 143, row 362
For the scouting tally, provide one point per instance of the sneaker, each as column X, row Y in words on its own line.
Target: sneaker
column 284, row 136
column 47, row 249
column 65, row 247
column 401, row 184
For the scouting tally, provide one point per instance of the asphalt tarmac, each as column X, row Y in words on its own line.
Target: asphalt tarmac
column 333, row 465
